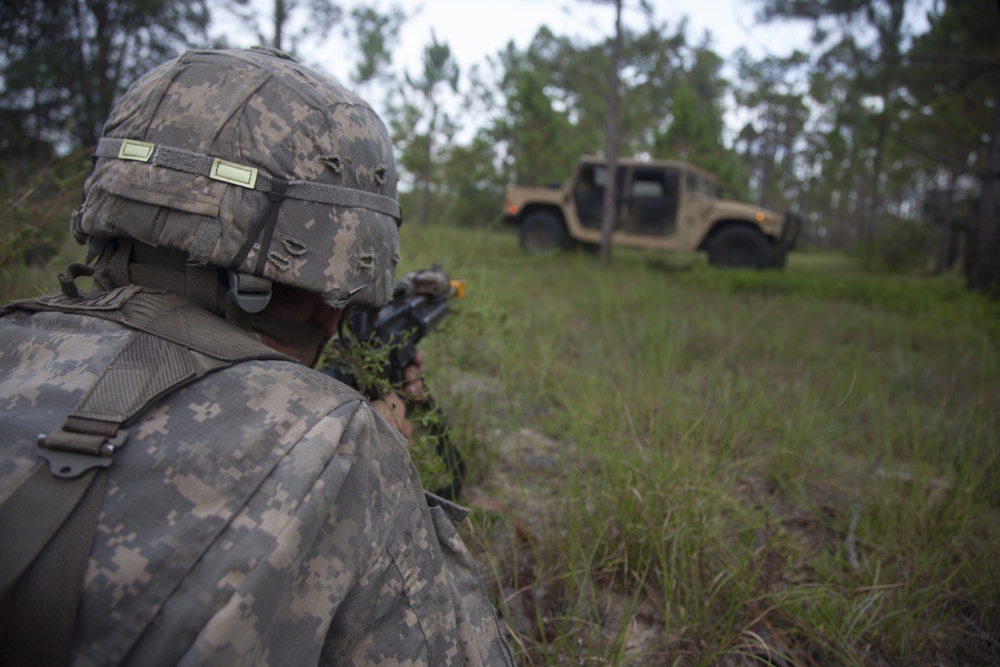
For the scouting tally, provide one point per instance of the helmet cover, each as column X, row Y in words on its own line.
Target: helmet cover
column 249, row 161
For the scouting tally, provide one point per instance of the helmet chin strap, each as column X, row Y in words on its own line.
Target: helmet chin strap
column 250, row 292
column 124, row 261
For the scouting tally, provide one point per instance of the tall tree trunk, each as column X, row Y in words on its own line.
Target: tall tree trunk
column 610, row 211
column 874, row 202
column 280, row 17
column 765, row 157
column 946, row 250
column 985, row 274
column 425, row 190
column 427, row 171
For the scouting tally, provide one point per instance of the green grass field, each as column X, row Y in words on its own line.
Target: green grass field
column 677, row 465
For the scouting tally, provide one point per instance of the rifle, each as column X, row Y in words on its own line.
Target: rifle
column 378, row 344
column 419, row 303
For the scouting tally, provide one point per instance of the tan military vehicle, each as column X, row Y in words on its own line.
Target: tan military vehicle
column 661, row 204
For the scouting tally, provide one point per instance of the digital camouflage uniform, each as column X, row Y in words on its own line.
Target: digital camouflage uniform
column 262, row 514
column 258, row 516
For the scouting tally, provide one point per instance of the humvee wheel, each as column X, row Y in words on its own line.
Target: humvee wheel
column 542, row 232
column 740, row 247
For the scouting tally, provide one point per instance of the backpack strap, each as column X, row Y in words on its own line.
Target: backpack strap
column 42, row 575
column 54, row 513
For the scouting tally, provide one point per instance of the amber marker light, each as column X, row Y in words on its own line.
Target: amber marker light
column 457, row 288
column 759, row 216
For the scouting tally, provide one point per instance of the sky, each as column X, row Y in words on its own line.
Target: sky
column 475, row 29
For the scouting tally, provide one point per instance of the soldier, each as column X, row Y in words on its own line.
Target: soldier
column 227, row 504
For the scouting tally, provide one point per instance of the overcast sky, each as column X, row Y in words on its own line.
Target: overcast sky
column 475, row 29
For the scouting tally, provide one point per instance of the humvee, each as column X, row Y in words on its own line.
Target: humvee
column 661, row 204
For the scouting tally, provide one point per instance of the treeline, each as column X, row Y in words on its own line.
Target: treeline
column 883, row 136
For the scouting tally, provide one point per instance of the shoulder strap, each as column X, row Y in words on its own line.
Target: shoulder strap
column 182, row 344
column 54, row 515
column 42, row 575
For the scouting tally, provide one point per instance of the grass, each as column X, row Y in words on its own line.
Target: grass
column 675, row 465
column 678, row 465
column 36, row 202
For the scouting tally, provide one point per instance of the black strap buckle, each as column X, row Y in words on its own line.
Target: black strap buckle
column 70, row 454
column 251, row 302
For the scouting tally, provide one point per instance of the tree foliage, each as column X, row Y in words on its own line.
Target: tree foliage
column 953, row 125
column 697, row 127
column 287, row 23
column 422, row 129
column 540, row 133
column 881, row 134
column 63, row 63
column 375, row 34
column 555, row 105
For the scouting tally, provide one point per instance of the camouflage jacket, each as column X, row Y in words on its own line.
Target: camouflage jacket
column 263, row 515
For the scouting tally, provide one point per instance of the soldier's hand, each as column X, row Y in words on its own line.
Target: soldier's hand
column 413, row 384
column 392, row 408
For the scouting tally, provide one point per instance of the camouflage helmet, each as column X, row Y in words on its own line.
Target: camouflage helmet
column 248, row 161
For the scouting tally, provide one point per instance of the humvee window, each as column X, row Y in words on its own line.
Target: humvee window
column 652, row 206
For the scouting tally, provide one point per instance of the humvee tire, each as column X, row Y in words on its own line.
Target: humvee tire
column 543, row 232
column 741, row 247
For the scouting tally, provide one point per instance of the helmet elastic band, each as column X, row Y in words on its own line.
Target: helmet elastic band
column 243, row 176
